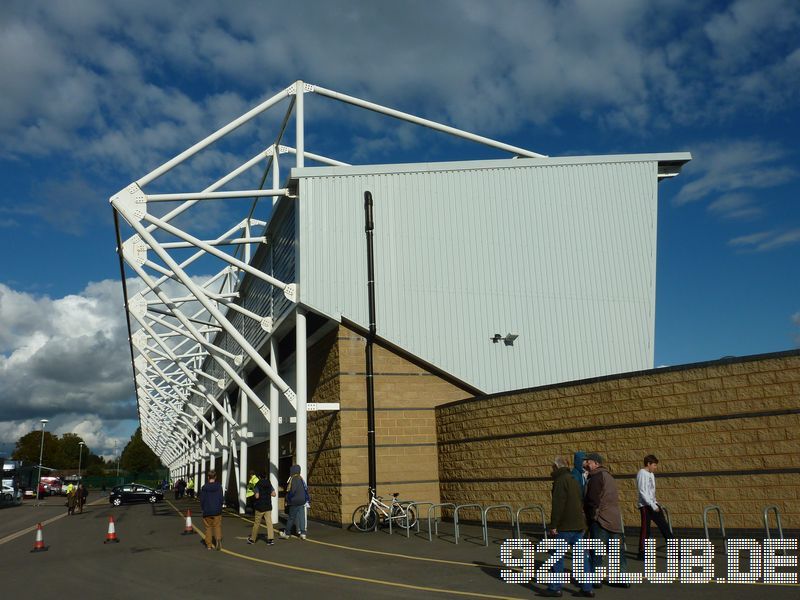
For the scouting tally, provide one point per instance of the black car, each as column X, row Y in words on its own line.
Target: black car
column 134, row 492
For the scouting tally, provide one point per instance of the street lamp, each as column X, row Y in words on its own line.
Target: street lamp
column 115, row 452
column 80, row 456
column 41, row 451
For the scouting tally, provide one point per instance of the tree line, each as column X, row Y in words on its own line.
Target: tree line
column 63, row 453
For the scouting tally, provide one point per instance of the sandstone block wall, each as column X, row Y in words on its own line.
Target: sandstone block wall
column 405, row 427
column 324, row 432
column 726, row 433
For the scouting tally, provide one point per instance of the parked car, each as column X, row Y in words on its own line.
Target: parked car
column 10, row 496
column 134, row 492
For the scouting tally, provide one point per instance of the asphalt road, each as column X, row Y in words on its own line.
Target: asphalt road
column 152, row 559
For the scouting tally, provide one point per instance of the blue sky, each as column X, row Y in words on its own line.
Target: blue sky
column 97, row 94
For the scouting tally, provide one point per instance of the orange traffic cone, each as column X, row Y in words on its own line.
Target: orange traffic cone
column 38, row 545
column 111, row 536
column 188, row 530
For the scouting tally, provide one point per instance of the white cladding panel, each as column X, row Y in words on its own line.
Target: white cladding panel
column 562, row 255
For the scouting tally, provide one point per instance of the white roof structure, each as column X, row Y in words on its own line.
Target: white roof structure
column 500, row 273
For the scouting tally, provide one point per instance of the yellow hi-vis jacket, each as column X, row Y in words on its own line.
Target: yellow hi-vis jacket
column 251, row 486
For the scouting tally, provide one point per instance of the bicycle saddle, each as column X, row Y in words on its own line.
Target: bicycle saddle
column 396, row 494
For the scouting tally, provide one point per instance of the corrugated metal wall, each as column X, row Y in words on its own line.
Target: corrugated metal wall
column 560, row 252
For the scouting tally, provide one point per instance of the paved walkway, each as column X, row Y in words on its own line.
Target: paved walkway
column 153, row 558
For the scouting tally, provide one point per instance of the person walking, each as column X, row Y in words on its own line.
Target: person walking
column 263, row 494
column 567, row 521
column 211, row 505
column 72, row 499
column 82, row 494
column 601, row 505
column 649, row 507
column 189, row 488
column 296, row 500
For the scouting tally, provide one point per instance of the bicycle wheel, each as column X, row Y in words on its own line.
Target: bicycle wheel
column 411, row 515
column 404, row 515
column 364, row 518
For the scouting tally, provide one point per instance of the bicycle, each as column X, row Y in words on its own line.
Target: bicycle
column 365, row 516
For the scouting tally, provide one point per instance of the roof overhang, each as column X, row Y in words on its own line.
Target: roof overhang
column 669, row 165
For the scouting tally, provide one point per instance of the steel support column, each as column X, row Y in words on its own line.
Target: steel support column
column 274, row 427
column 243, row 468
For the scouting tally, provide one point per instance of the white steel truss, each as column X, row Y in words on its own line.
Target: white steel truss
column 189, row 350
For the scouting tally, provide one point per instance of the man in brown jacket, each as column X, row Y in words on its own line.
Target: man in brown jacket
column 601, row 505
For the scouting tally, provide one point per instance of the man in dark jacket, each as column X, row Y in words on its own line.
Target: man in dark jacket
column 566, row 520
column 83, row 494
column 601, row 504
column 263, row 493
column 180, row 488
column 211, row 505
column 296, row 500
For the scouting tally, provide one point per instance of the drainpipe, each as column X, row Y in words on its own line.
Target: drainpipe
column 368, row 227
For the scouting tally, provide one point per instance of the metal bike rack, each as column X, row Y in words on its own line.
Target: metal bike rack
column 485, row 521
column 409, row 505
column 708, row 509
column 391, row 511
column 530, row 508
column 776, row 509
column 432, row 513
column 667, row 517
column 455, row 514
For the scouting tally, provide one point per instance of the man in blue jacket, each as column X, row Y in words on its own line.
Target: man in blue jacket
column 579, row 471
column 296, row 501
column 211, row 504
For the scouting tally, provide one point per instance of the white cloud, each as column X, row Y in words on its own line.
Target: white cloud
column 763, row 241
column 101, row 435
column 735, row 206
column 64, row 359
column 127, row 84
column 739, row 32
column 735, row 165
